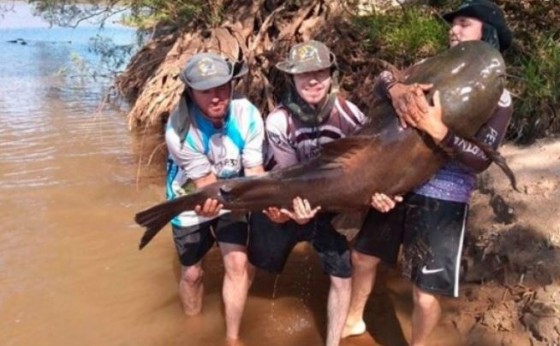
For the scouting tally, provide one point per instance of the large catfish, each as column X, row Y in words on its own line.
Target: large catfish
column 381, row 157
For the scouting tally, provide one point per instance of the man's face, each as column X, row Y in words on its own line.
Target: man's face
column 464, row 29
column 213, row 102
column 313, row 87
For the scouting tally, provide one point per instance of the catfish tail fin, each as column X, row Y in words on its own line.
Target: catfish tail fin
column 499, row 160
column 156, row 217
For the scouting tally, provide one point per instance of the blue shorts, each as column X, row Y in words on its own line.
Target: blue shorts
column 194, row 242
column 271, row 243
column 431, row 232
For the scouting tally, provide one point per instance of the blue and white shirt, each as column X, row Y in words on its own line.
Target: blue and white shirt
column 224, row 151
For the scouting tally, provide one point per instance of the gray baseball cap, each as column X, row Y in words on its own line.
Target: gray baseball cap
column 205, row 71
column 307, row 57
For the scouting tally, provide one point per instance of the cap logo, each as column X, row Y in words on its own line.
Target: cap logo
column 305, row 53
column 206, row 67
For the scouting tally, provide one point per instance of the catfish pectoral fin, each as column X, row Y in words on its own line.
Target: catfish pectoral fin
column 499, row 160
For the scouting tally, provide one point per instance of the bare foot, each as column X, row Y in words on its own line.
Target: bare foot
column 354, row 330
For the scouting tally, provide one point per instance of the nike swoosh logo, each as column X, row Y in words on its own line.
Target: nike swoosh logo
column 425, row 270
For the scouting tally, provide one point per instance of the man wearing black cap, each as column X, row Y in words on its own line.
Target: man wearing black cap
column 211, row 135
column 430, row 221
column 494, row 28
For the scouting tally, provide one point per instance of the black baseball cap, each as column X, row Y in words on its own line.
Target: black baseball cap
column 487, row 12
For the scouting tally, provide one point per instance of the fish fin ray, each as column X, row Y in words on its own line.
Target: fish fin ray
column 156, row 217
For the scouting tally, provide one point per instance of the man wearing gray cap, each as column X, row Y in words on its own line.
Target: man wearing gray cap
column 211, row 135
column 311, row 114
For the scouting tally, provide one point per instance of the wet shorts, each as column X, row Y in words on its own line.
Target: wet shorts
column 271, row 243
column 431, row 232
column 194, row 242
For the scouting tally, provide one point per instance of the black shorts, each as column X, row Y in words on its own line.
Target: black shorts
column 431, row 232
column 271, row 243
column 194, row 242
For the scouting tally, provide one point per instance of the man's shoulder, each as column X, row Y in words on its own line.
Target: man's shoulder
column 279, row 112
column 277, row 118
column 350, row 111
column 245, row 112
column 242, row 104
column 347, row 105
